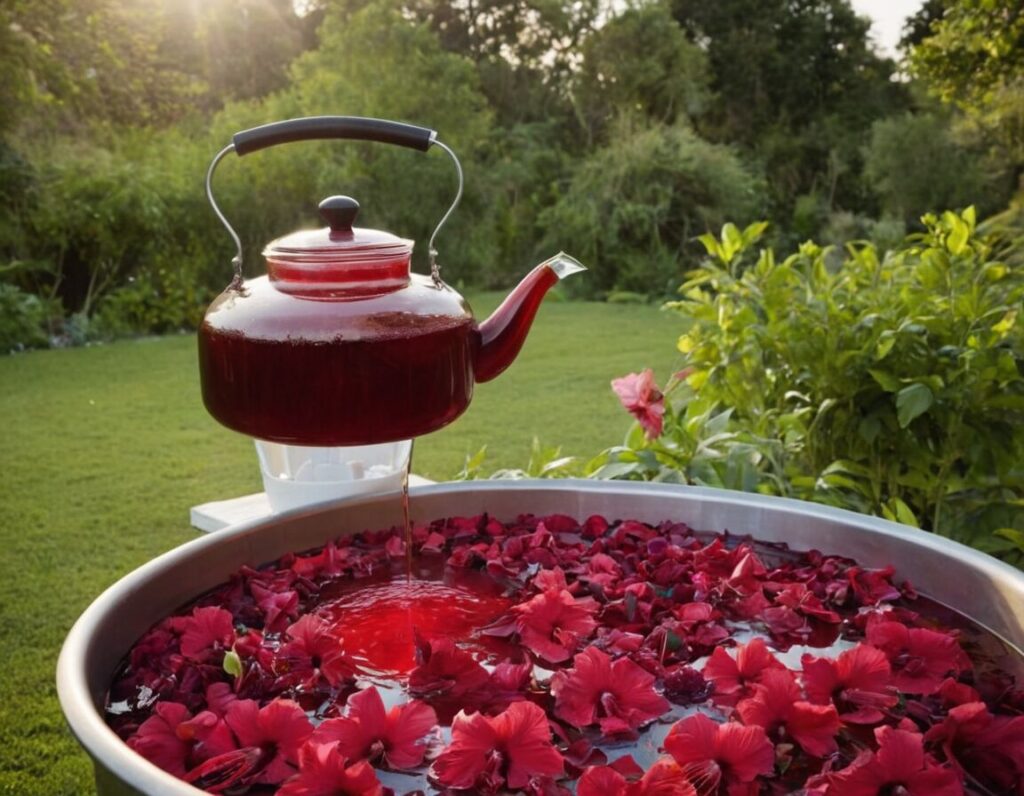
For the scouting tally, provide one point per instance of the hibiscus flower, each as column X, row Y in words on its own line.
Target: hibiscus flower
column 720, row 755
column 369, row 732
column 206, row 634
column 443, row 668
column 664, row 778
column 313, row 649
column 174, row 740
column 641, row 397
column 777, row 706
column 278, row 607
column 617, row 695
column 920, row 659
column 278, row 730
column 734, row 678
column 857, row 682
column 899, row 766
column 324, row 771
column 990, row 747
column 510, row 749
column 553, row 623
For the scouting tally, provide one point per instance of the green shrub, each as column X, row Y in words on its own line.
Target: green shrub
column 894, row 386
column 891, row 386
column 633, row 207
column 155, row 301
column 24, row 320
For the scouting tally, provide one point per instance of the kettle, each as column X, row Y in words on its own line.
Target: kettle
column 339, row 344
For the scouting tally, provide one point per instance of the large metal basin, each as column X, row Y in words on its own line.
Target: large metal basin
column 986, row 590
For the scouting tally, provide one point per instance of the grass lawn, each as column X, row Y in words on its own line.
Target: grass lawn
column 104, row 450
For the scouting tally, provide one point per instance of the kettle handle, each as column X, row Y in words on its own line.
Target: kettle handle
column 323, row 127
column 312, row 128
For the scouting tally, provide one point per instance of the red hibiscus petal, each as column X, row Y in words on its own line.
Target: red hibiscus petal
column 693, row 740
column 746, row 751
column 523, row 729
column 408, row 725
column 664, row 778
column 464, row 760
column 601, row 781
column 367, row 708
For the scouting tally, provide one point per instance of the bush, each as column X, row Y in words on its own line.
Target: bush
column 915, row 166
column 633, row 207
column 891, row 386
column 24, row 320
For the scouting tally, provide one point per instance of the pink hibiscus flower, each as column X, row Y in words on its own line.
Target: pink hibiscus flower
column 664, row 778
column 553, row 623
column 734, row 678
column 920, row 659
column 857, row 682
column 369, row 732
column 313, row 649
column 777, row 706
column 617, row 695
column 899, row 766
column 324, row 771
column 174, row 740
column 206, row 634
column 641, row 397
column 279, row 729
column 510, row 749
column 720, row 755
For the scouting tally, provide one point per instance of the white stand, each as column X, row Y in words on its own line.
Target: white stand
column 218, row 514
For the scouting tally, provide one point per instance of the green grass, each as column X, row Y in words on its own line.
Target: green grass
column 104, row 450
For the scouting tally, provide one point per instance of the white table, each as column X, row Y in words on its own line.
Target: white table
column 218, row 514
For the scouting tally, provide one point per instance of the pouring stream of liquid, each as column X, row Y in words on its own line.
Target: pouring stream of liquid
column 405, row 513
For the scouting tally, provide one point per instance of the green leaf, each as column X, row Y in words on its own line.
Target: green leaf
column 898, row 511
column 754, row 231
column 1009, row 319
column 711, row 245
column 911, row 402
column 869, row 428
column 614, row 470
column 1013, row 535
column 958, row 236
column 885, row 380
column 232, row 663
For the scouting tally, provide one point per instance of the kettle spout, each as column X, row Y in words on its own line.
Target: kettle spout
column 502, row 335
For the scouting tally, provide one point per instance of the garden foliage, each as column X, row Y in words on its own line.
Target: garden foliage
column 890, row 385
column 618, row 134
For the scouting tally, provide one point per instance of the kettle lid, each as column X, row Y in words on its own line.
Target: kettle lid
column 339, row 243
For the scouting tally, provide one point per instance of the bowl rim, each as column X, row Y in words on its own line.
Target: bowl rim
column 108, row 751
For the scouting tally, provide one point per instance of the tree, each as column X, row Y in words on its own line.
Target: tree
column 916, row 166
column 973, row 57
column 640, row 62
column 379, row 62
column 634, row 206
column 797, row 84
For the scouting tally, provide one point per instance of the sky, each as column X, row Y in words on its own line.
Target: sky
column 888, row 17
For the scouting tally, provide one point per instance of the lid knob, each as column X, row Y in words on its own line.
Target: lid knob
column 339, row 212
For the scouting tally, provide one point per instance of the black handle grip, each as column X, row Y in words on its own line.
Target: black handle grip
column 323, row 127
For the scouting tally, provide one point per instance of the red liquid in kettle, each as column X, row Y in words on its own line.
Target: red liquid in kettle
column 328, row 374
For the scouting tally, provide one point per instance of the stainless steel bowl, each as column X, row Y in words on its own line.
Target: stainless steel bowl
column 986, row 590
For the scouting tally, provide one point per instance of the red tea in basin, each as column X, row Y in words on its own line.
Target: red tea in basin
column 548, row 656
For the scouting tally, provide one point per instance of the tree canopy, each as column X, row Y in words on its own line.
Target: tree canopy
column 619, row 131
